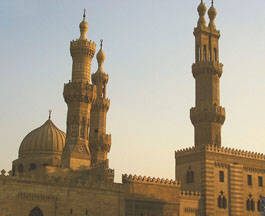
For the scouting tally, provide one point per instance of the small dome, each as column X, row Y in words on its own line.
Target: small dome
column 212, row 12
column 83, row 25
column 201, row 9
column 47, row 139
column 101, row 56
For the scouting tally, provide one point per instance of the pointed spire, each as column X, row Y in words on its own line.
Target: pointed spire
column 83, row 27
column 101, row 43
column 50, row 113
column 201, row 10
column 84, row 15
column 101, row 57
column 212, row 14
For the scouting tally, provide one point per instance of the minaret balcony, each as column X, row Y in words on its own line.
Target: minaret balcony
column 82, row 47
column 212, row 114
column 207, row 67
column 79, row 91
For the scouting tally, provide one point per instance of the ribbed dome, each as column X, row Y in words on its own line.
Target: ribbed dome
column 47, row 139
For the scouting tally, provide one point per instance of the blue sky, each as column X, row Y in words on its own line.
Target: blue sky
column 150, row 48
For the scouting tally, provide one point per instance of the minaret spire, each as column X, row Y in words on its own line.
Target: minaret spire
column 50, row 113
column 84, row 15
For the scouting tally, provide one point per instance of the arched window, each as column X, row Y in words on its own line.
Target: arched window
column 32, row 166
column 210, row 54
column 36, row 212
column 221, row 201
column 20, row 168
column 189, row 176
column 260, row 206
column 205, row 52
column 250, row 204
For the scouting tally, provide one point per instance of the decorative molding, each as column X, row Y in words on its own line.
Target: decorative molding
column 36, row 196
column 127, row 179
column 221, row 150
column 190, row 194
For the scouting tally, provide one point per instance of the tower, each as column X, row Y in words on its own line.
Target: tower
column 99, row 141
column 207, row 116
column 79, row 94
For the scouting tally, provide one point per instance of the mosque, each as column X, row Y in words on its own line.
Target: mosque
column 68, row 174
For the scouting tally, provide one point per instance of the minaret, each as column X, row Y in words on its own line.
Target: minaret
column 207, row 116
column 79, row 94
column 100, row 142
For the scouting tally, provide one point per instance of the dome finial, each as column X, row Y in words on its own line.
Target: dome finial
column 83, row 27
column 101, row 43
column 212, row 2
column 50, row 113
column 84, row 15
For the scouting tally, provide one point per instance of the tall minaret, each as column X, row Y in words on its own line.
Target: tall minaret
column 207, row 116
column 100, row 142
column 79, row 94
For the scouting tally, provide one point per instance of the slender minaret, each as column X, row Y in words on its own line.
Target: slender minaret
column 79, row 94
column 207, row 116
column 99, row 142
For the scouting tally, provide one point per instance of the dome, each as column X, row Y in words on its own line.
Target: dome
column 45, row 140
column 101, row 56
column 212, row 12
column 201, row 9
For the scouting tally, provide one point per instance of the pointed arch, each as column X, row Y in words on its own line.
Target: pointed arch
column 36, row 212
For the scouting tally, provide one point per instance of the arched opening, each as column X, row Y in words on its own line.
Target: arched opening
column 215, row 54
column 221, row 201
column 36, row 212
column 205, row 52
column 189, row 176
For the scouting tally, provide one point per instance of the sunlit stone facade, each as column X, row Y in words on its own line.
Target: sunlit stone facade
column 58, row 174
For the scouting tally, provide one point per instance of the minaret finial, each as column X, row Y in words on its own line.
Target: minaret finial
column 101, row 43
column 101, row 57
column 84, row 15
column 50, row 113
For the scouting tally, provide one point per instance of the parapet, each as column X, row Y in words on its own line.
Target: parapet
column 190, row 195
column 221, row 150
column 128, row 179
column 62, row 181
